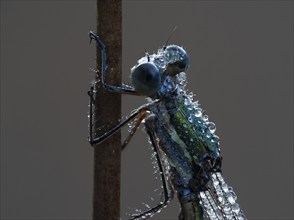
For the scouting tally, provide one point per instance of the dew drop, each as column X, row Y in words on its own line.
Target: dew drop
column 138, row 210
column 230, row 217
column 227, row 208
column 225, row 187
column 221, row 199
column 215, row 182
column 182, row 78
column 202, row 195
column 213, row 176
column 218, row 190
column 215, row 139
column 198, row 112
column 205, row 117
column 211, row 127
column 241, row 216
column 145, row 204
column 230, row 198
column 190, row 119
column 208, row 135
column 234, row 195
column 235, row 208
column 169, row 87
column 210, row 212
column 218, row 214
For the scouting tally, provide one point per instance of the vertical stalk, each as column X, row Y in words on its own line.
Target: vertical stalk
column 106, row 198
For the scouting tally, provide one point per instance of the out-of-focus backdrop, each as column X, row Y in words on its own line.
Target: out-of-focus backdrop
column 241, row 57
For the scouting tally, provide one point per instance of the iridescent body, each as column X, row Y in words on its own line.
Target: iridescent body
column 187, row 149
column 187, row 142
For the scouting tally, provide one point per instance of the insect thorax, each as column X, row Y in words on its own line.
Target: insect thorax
column 185, row 135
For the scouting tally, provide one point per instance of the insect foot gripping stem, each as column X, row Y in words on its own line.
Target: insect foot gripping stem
column 95, row 37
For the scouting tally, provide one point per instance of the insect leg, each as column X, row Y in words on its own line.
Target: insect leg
column 168, row 194
column 120, row 89
column 136, row 113
column 103, row 137
column 138, row 120
column 90, row 114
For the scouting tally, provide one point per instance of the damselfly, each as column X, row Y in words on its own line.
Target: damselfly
column 184, row 141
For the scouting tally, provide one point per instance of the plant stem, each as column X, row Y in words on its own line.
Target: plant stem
column 106, row 196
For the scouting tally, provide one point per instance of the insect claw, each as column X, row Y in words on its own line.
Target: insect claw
column 90, row 94
column 95, row 37
column 92, row 36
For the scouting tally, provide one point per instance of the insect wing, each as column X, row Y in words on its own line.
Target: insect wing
column 219, row 201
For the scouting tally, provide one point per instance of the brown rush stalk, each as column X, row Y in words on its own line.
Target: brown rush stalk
column 106, row 196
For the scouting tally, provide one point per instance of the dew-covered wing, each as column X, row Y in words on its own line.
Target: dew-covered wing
column 219, row 201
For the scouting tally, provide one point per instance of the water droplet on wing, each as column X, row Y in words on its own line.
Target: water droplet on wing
column 235, row 208
column 230, row 198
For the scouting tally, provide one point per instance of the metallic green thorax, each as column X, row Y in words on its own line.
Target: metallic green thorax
column 187, row 138
column 189, row 125
column 192, row 130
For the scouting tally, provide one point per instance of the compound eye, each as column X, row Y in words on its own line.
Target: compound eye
column 182, row 64
column 146, row 79
column 179, row 60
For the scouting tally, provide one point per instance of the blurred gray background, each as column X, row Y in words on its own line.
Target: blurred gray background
column 241, row 56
